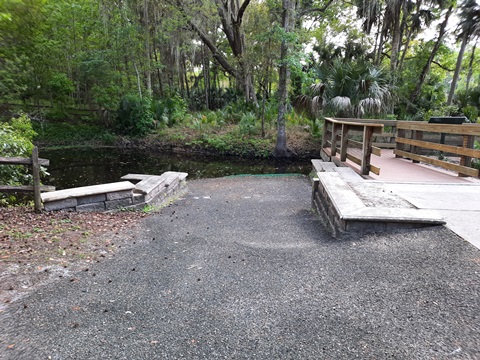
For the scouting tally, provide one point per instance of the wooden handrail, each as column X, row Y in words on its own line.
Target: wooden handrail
column 35, row 162
column 410, row 145
column 344, row 126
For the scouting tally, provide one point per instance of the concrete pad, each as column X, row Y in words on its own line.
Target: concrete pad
column 342, row 196
column 439, row 196
column 465, row 224
column 322, row 166
column 348, row 174
column 381, row 214
column 459, row 204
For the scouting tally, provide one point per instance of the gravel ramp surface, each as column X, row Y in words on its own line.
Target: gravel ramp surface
column 240, row 268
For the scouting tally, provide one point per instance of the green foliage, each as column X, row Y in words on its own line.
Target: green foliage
column 65, row 133
column 218, row 98
column 247, row 124
column 476, row 162
column 471, row 112
column 60, row 87
column 15, row 141
column 235, row 144
column 352, row 89
column 134, row 116
column 169, row 110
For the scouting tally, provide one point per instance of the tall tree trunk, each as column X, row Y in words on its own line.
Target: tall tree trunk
column 405, row 49
column 396, row 39
column 426, row 68
column 456, row 74
column 378, row 58
column 148, row 71
column 159, row 73
column 185, row 75
column 281, row 149
column 231, row 16
column 138, row 80
column 470, row 68
column 206, row 79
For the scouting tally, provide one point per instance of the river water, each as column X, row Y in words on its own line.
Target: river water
column 81, row 167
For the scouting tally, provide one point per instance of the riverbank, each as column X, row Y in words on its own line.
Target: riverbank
column 227, row 140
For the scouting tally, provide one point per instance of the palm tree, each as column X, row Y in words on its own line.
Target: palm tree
column 468, row 28
column 348, row 90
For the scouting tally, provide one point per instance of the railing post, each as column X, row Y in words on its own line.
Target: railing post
column 324, row 134
column 468, row 142
column 323, row 154
column 417, row 135
column 344, row 143
column 333, row 151
column 36, row 180
column 399, row 146
column 366, row 150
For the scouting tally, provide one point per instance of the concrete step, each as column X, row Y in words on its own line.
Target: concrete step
column 346, row 212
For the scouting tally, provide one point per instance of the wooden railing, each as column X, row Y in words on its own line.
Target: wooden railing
column 35, row 164
column 383, row 140
column 348, row 129
column 411, row 144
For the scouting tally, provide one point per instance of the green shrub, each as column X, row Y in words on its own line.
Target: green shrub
column 247, row 124
column 169, row 110
column 134, row 116
column 63, row 133
column 15, row 141
column 476, row 162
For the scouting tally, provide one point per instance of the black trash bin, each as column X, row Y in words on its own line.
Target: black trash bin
column 450, row 120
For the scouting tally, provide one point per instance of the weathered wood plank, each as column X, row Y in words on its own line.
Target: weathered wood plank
column 468, row 129
column 22, row 161
column 25, row 188
column 389, row 135
column 377, row 128
column 384, row 145
column 36, row 180
column 358, row 145
column 444, row 164
column 344, row 142
column 441, row 147
column 374, row 169
column 369, row 121
column 87, row 191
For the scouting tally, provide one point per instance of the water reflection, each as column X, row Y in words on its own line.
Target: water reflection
column 80, row 167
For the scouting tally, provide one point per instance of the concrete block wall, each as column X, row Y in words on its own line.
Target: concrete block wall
column 116, row 196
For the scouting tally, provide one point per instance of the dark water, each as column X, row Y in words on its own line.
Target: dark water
column 80, row 167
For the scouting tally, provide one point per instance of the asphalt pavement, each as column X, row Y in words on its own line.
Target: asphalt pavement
column 241, row 268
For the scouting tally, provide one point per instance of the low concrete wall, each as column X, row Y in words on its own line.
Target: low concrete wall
column 344, row 212
column 150, row 190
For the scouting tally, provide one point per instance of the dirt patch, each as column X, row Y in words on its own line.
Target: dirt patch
column 36, row 248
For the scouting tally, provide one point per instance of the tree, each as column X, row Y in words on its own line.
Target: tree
column 288, row 24
column 231, row 15
column 426, row 68
column 348, row 90
column 468, row 28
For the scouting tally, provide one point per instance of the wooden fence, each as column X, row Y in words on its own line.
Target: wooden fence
column 344, row 131
column 34, row 162
column 411, row 144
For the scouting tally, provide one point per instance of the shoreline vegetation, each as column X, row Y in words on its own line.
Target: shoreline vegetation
column 227, row 141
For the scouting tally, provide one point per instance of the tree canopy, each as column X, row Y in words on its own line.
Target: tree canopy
column 373, row 58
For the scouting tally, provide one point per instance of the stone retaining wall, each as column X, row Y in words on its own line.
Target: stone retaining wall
column 120, row 195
